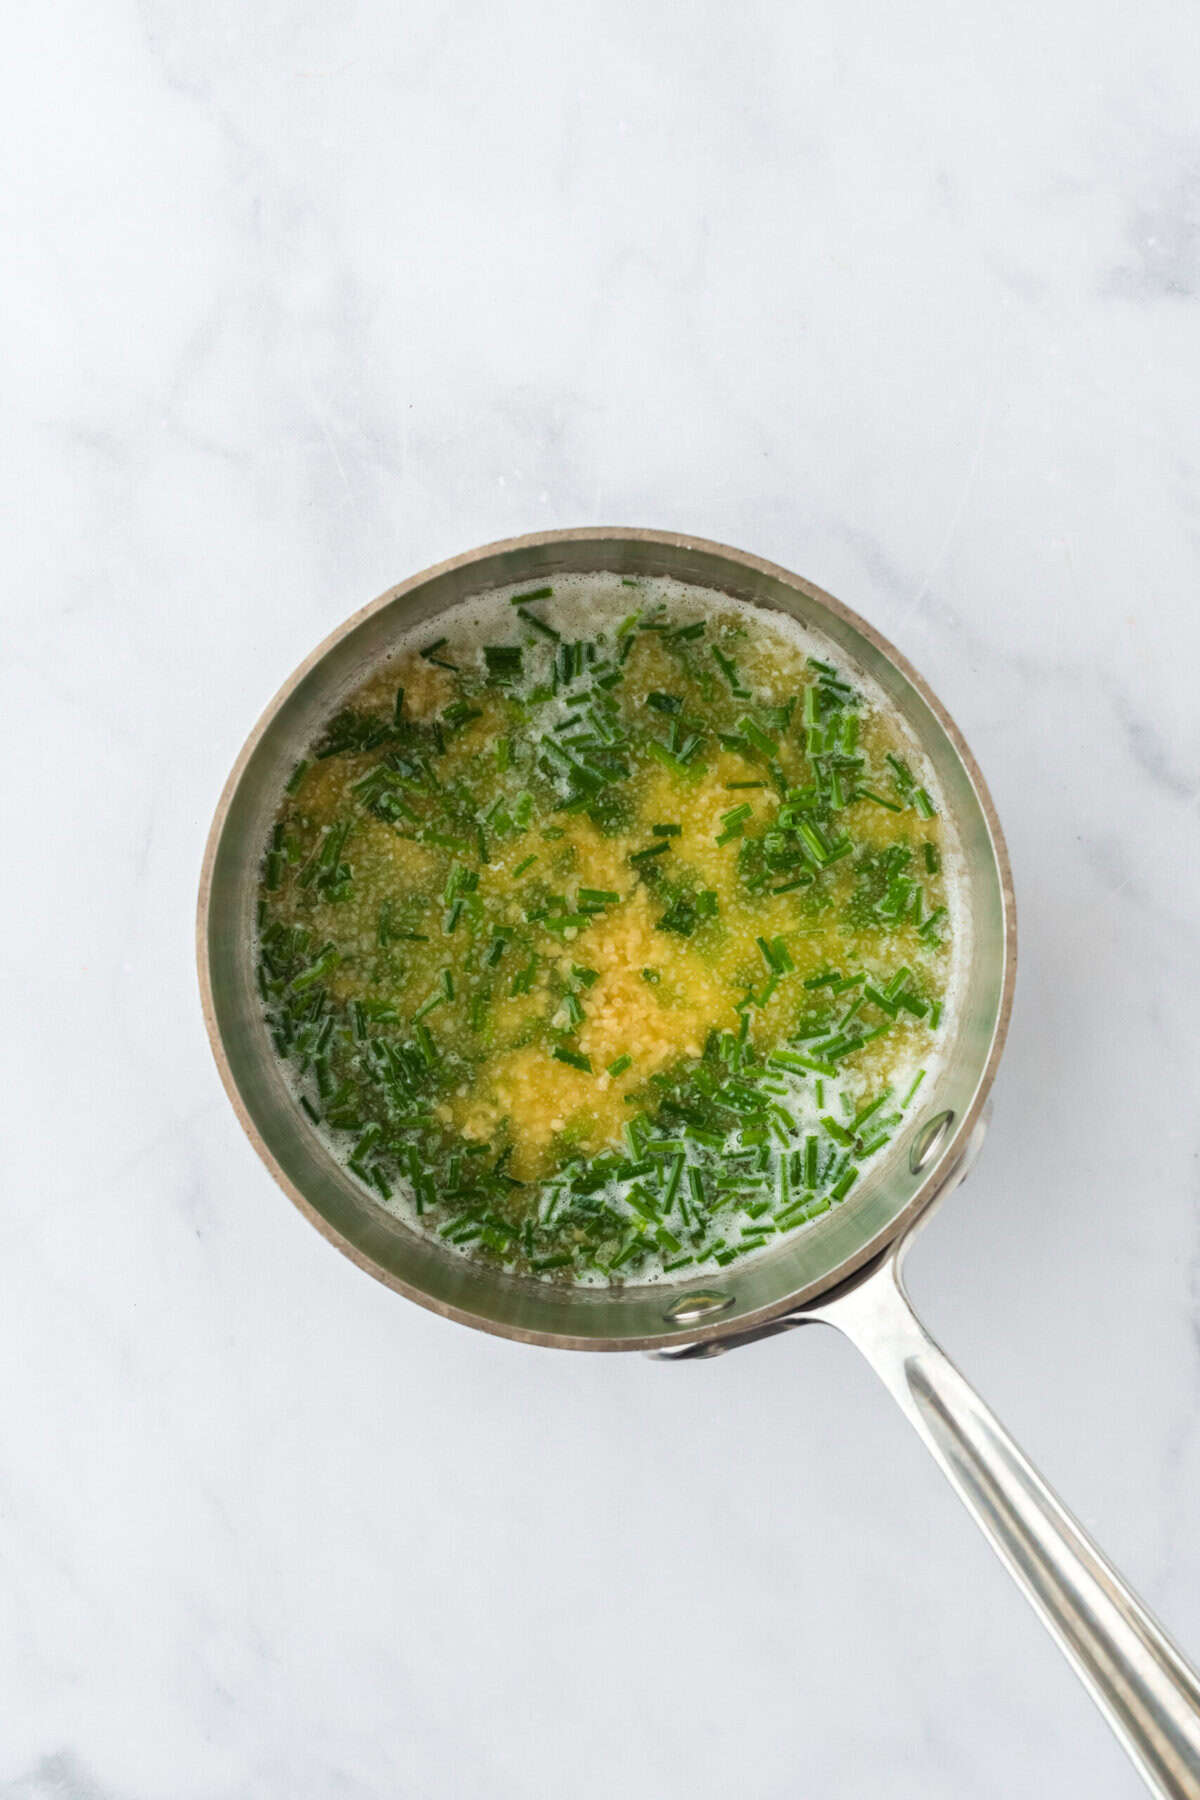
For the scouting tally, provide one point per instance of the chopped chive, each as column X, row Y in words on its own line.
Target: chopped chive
column 572, row 1058
column 776, row 955
column 912, row 1090
column 673, row 1180
column 844, row 1183
column 620, row 1065
column 667, row 758
column 297, row 776
column 728, row 668
column 522, row 981
column 911, row 1004
column 799, row 1065
column 731, row 785
column 933, row 861
column 757, row 737
column 650, row 851
column 504, row 661
column 666, row 830
column 542, row 593
column 866, row 1112
column 438, row 661
column 547, row 631
column 924, row 805
column 837, row 1131
column 733, row 823
column 526, row 863
column 827, row 977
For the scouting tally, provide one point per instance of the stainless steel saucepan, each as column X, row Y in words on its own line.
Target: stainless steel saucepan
column 845, row 1269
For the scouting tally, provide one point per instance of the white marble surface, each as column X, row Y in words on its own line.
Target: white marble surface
column 299, row 298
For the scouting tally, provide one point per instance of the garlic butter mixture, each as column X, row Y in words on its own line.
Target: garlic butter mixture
column 606, row 931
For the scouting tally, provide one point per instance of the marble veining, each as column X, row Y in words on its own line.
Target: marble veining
column 299, row 299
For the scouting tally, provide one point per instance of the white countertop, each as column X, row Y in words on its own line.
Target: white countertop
column 299, row 300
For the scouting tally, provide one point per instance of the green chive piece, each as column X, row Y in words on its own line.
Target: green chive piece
column 439, row 662
column 540, row 625
column 912, row 1090
column 504, row 661
column 620, row 1065
column 728, row 669
column 526, row 863
column 522, row 981
column 756, row 736
column 542, row 593
column 842, row 1186
column 572, row 1058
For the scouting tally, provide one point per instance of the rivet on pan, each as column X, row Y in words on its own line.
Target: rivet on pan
column 699, row 1305
column 929, row 1141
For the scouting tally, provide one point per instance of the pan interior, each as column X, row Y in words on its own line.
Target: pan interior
column 631, row 1317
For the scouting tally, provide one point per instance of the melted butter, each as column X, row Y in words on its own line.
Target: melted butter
column 652, row 994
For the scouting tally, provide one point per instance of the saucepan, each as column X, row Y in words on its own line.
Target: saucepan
column 845, row 1269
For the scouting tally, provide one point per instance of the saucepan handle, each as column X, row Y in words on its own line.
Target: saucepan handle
column 1148, row 1693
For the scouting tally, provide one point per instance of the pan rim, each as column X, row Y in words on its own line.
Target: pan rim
column 674, row 1336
